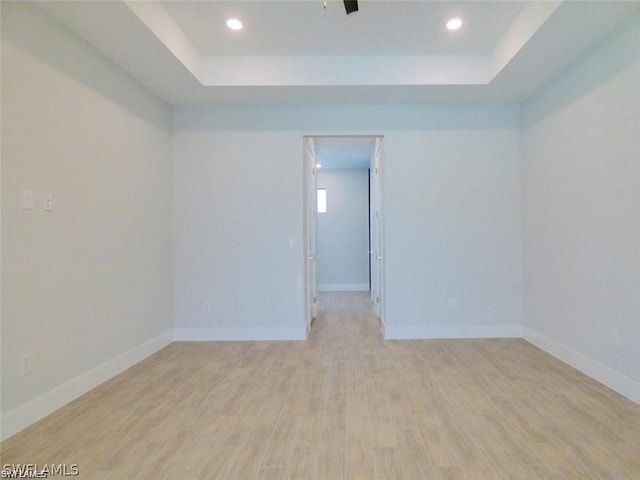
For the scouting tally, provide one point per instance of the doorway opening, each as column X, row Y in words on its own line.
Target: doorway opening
column 344, row 239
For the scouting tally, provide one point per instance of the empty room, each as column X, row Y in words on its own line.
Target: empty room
column 175, row 306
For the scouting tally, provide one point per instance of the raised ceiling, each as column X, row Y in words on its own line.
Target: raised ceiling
column 379, row 28
column 297, row 52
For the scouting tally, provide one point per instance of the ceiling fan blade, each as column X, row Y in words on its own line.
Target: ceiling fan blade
column 351, row 6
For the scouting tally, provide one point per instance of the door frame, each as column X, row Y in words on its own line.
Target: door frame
column 310, row 185
column 376, row 229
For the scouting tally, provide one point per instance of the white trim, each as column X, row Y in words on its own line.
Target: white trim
column 448, row 331
column 238, row 334
column 343, row 287
column 32, row 411
column 609, row 377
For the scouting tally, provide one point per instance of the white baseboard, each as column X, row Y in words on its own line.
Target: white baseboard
column 32, row 411
column 609, row 377
column 238, row 334
column 456, row 331
column 343, row 287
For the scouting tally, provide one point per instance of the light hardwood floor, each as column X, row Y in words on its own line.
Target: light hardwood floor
column 343, row 405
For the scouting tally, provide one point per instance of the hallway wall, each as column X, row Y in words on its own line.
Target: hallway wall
column 343, row 232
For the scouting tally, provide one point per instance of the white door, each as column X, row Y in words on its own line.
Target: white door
column 377, row 263
column 311, row 199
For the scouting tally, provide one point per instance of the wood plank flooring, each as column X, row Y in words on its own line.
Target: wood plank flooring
column 343, row 405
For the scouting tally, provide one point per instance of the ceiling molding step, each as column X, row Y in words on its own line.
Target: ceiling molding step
column 337, row 70
column 520, row 32
column 165, row 28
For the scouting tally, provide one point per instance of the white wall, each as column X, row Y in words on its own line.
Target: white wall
column 343, row 231
column 452, row 211
column 581, row 137
column 238, row 201
column 87, row 286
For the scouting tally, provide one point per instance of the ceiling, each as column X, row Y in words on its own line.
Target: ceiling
column 297, row 52
column 306, row 28
column 344, row 152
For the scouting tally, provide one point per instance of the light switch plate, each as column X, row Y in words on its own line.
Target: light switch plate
column 27, row 199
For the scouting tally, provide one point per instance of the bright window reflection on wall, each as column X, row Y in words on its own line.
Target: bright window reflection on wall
column 322, row 200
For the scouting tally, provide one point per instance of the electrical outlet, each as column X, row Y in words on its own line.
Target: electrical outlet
column 47, row 202
column 206, row 306
column 614, row 338
column 453, row 304
column 27, row 364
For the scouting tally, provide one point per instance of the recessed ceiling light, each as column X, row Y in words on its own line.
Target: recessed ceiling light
column 234, row 24
column 454, row 24
column 318, row 165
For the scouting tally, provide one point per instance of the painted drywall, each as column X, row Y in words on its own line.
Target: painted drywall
column 452, row 212
column 452, row 227
column 87, row 285
column 581, row 138
column 237, row 203
column 342, row 250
